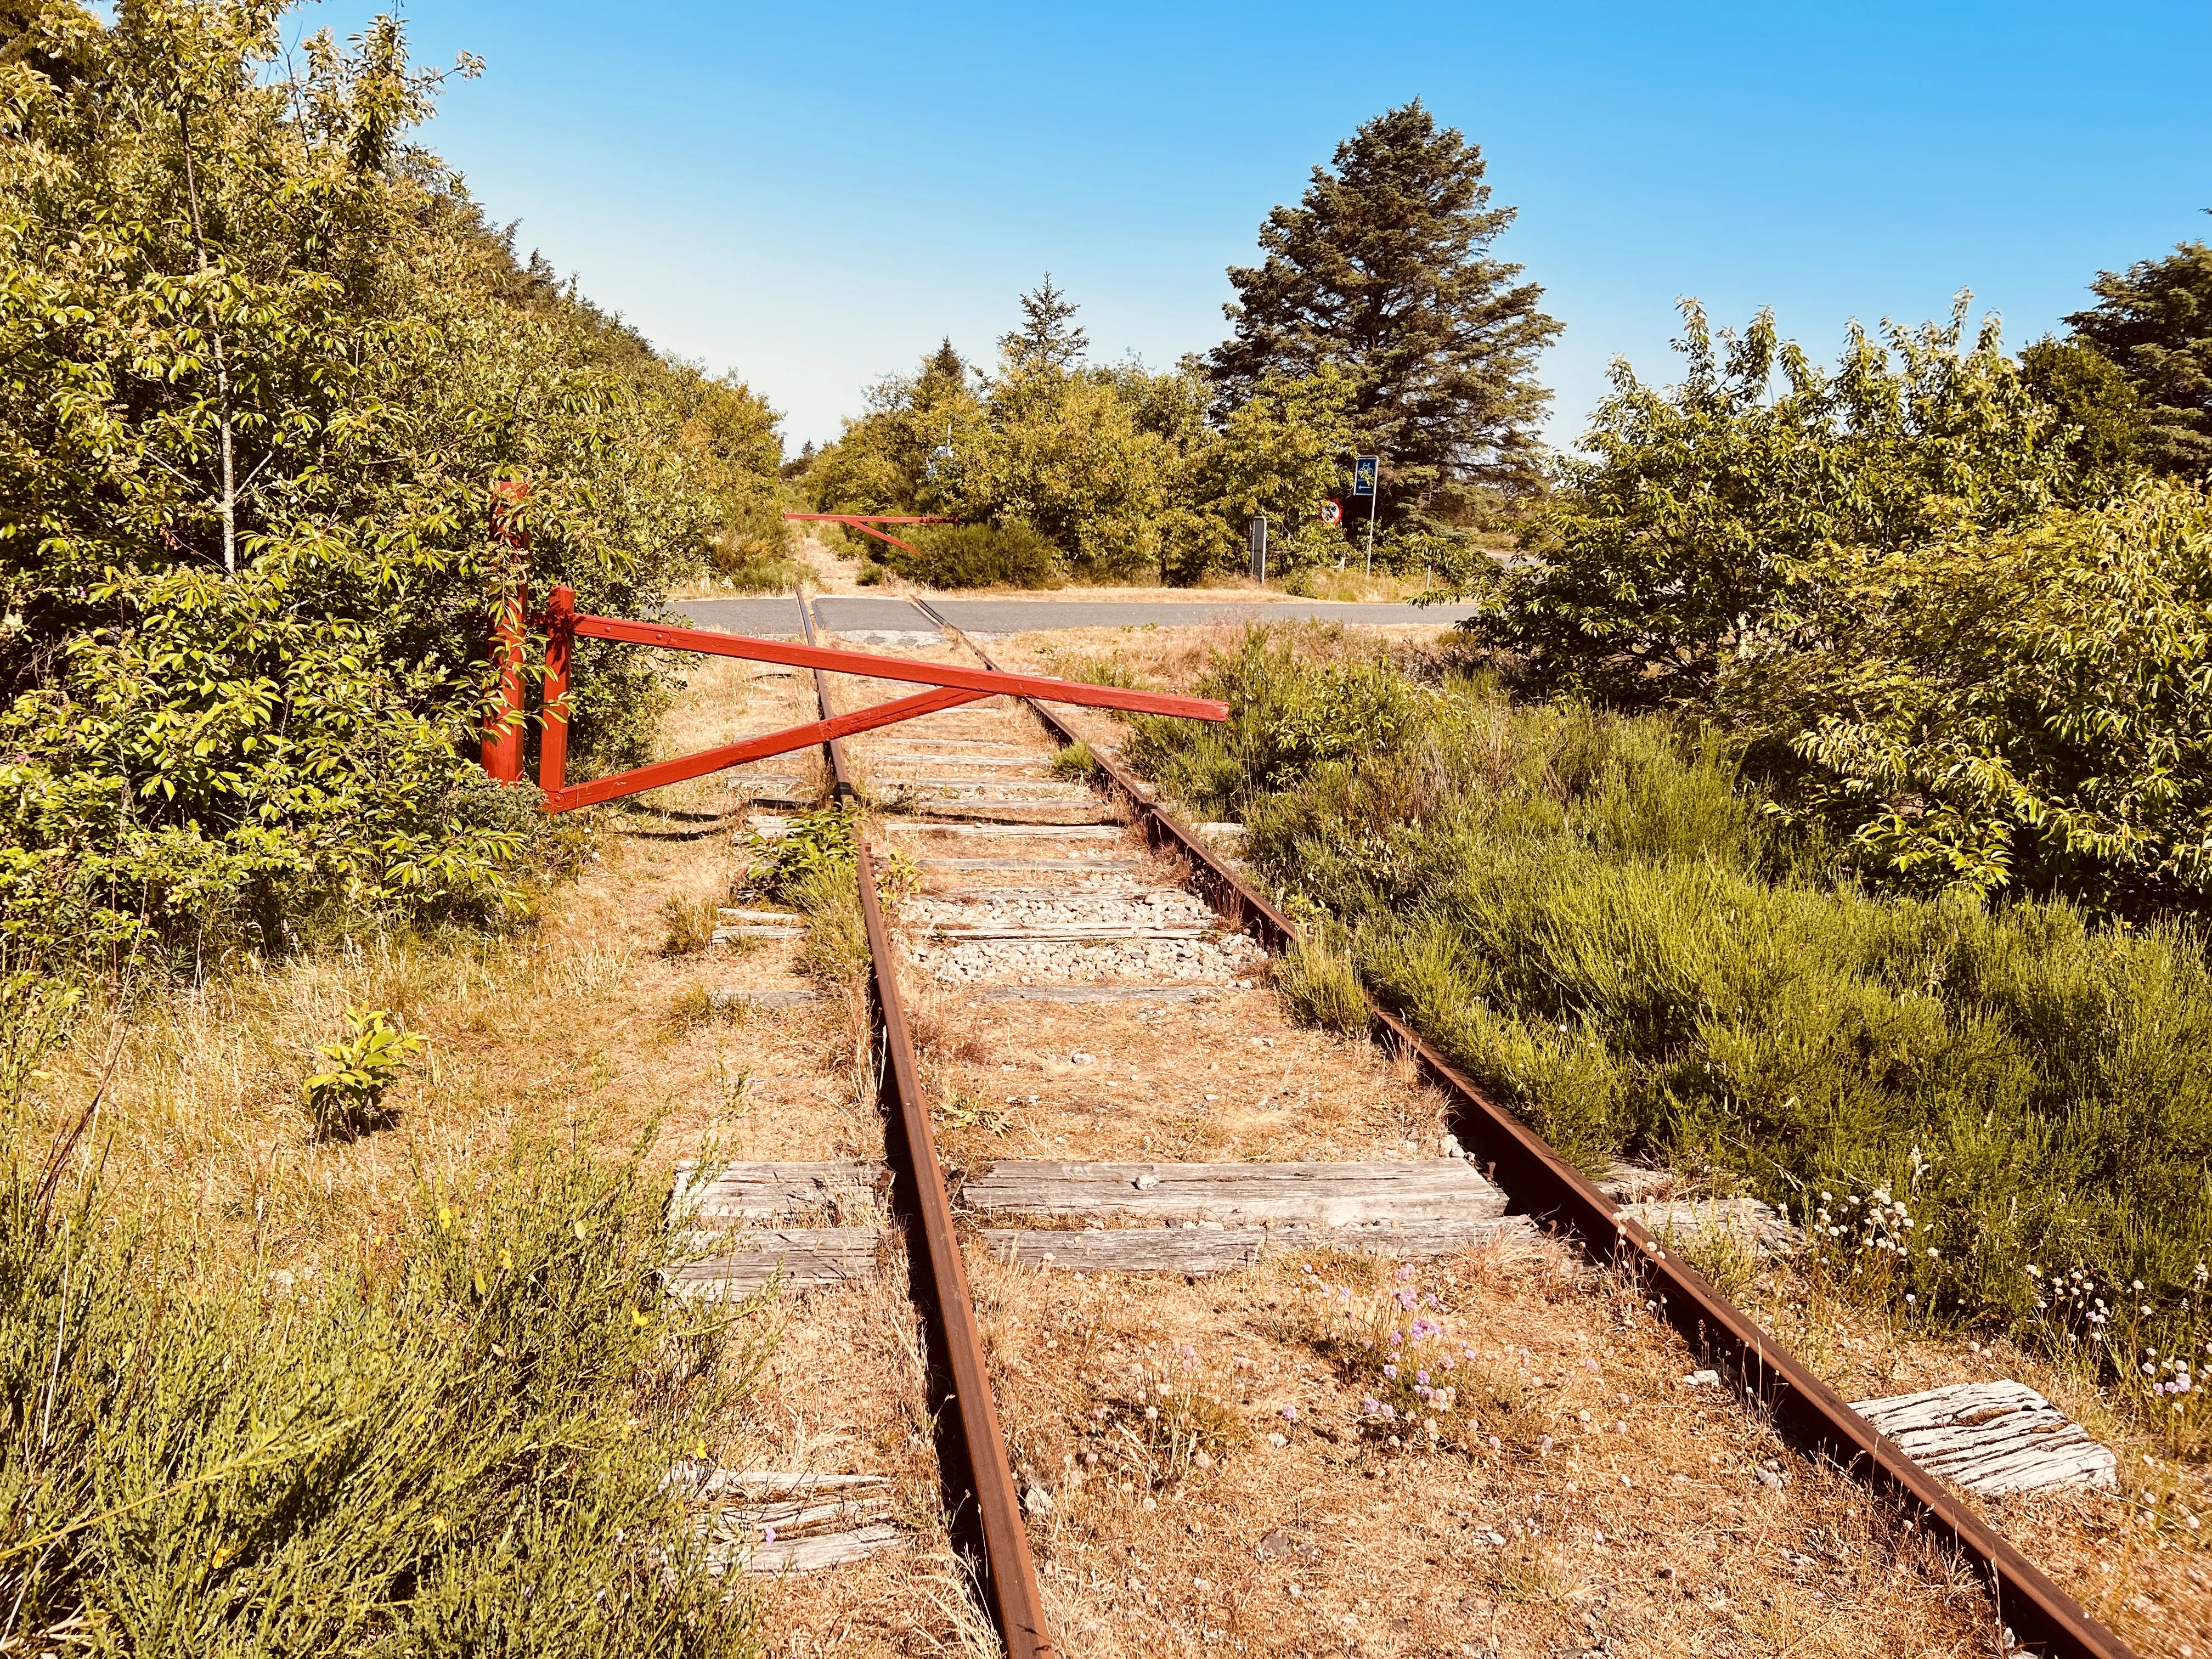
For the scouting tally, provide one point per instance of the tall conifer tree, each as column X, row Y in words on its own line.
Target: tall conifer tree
column 1384, row 269
column 1049, row 338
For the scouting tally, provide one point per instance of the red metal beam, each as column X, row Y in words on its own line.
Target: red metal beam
column 867, row 518
column 865, row 523
column 984, row 682
column 502, row 734
column 752, row 749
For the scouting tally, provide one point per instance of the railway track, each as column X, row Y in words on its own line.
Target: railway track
column 1075, row 936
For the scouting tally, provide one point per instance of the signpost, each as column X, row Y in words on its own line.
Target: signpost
column 1366, row 473
column 1256, row 537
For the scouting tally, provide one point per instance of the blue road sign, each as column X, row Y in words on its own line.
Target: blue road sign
column 1364, row 473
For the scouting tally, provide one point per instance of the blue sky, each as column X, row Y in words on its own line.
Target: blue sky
column 813, row 194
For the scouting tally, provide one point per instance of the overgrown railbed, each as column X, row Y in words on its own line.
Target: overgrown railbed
column 1989, row 1117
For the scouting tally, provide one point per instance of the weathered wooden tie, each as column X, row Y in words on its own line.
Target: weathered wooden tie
column 1094, row 993
column 1198, row 1249
column 1241, row 1194
column 794, row 1259
column 1992, row 1438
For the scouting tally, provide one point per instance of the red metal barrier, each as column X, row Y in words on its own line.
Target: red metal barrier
column 865, row 523
column 503, row 738
column 564, row 625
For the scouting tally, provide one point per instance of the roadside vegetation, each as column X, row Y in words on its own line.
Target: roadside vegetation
column 264, row 358
column 453, row 1436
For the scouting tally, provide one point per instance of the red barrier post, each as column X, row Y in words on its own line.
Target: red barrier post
column 502, row 739
column 553, row 739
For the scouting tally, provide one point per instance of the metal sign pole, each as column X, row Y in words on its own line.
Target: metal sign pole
column 1367, row 480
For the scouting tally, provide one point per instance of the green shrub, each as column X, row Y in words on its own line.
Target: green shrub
column 819, row 838
column 1320, row 988
column 2026, row 712
column 1592, row 915
column 1074, row 762
column 749, row 572
column 237, row 707
column 456, row 1447
column 345, row 1097
column 978, row 555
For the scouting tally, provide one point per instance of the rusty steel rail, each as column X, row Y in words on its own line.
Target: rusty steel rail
column 1545, row 1186
column 1010, row 1579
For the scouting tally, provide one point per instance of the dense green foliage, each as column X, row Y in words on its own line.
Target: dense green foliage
column 459, row 1450
column 1378, row 322
column 2029, row 710
column 2154, row 321
column 1590, row 915
column 1383, row 271
column 1696, row 525
column 260, row 360
column 1931, row 590
column 976, row 555
column 1116, row 470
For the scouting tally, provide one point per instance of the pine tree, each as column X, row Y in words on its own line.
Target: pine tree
column 1384, row 269
column 1048, row 340
column 945, row 361
column 2154, row 320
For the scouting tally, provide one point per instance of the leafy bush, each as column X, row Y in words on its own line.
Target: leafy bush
column 245, row 454
column 1075, row 763
column 1590, row 915
column 1687, row 535
column 978, row 555
column 2028, row 711
column 345, row 1097
column 820, row 838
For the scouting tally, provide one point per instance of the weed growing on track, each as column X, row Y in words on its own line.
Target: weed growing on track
column 1074, row 762
column 1591, row 914
column 690, row 926
column 1174, row 1420
column 453, row 1445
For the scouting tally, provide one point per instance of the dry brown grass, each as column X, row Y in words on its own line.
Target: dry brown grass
column 1660, row 1541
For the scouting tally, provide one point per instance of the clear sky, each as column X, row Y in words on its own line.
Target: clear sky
column 813, row 195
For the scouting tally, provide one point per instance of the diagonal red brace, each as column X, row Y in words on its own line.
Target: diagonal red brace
column 983, row 681
column 752, row 749
column 865, row 523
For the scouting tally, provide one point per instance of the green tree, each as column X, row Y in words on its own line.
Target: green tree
column 2154, row 321
column 1696, row 531
column 260, row 360
column 2098, row 405
column 1048, row 341
column 2028, row 710
column 1384, row 271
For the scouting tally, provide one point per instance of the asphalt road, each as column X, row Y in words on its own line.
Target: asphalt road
column 861, row 615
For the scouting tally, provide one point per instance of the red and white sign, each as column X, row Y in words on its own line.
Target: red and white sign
column 1332, row 512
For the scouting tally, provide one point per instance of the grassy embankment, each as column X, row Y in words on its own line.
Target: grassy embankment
column 1992, row 1118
